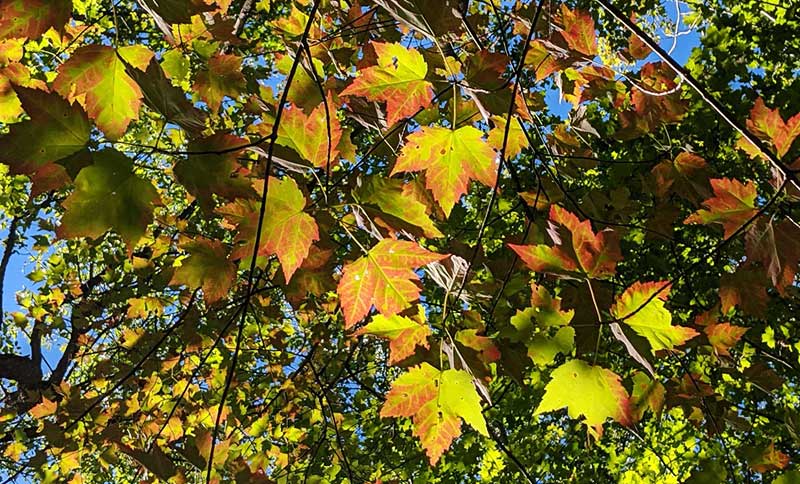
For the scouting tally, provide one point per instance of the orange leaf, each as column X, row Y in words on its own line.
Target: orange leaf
column 450, row 158
column 398, row 80
column 769, row 126
column 286, row 231
column 437, row 401
column 384, row 278
column 724, row 336
column 579, row 30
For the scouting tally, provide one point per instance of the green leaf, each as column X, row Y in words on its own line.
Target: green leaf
column 641, row 307
column 214, row 170
column 109, row 196
column 56, row 130
column 593, row 392
column 96, row 77
column 394, row 201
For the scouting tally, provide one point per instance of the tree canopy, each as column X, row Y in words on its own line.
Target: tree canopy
column 285, row 241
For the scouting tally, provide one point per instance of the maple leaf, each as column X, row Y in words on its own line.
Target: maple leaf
column 579, row 30
column 724, row 336
column 161, row 96
column 44, row 408
column 56, row 130
column 484, row 347
column 404, row 334
column 108, row 195
column 437, row 401
column 398, row 79
column 767, row 459
column 647, row 395
column 391, row 197
column 286, row 231
column 643, row 310
column 178, row 11
column 223, row 78
column 517, row 141
column 687, row 176
column 745, row 288
column 534, row 327
column 545, row 59
column 14, row 74
column 383, row 278
column 213, row 173
column 207, row 266
column 732, row 205
column 308, row 135
column 769, row 126
column 304, row 91
column 777, row 247
column 650, row 112
column 602, row 395
column 450, row 158
column 31, row 18
column 96, row 77
column 578, row 249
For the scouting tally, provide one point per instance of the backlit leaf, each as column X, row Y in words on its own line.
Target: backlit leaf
column 590, row 391
column 308, row 135
column 404, row 334
column 641, row 307
column 436, row 401
column 577, row 248
column 450, row 159
column 223, row 78
column 206, row 267
column 732, row 205
column 96, row 77
column 108, row 195
column 287, row 230
column 56, row 130
column 384, row 277
column 579, row 30
column 31, row 18
column 724, row 336
column 769, row 126
column 390, row 197
column 398, row 79
column 214, row 169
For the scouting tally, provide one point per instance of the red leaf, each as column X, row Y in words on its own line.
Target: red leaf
column 31, row 18
column 732, row 205
column 724, row 336
column 578, row 249
column 769, row 126
column 579, row 30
